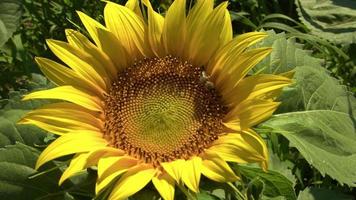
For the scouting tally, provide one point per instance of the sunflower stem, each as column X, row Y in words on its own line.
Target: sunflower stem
column 237, row 191
column 186, row 192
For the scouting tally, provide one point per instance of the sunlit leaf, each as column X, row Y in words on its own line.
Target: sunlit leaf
column 332, row 20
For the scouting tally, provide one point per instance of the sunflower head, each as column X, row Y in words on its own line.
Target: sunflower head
column 153, row 98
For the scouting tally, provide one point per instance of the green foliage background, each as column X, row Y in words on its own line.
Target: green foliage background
column 311, row 138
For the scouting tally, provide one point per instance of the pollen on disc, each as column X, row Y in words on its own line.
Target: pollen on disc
column 160, row 110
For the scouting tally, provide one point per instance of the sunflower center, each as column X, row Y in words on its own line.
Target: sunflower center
column 162, row 109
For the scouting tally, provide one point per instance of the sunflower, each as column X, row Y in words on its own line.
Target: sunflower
column 153, row 98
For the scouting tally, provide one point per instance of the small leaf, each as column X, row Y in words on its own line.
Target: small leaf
column 275, row 183
column 255, row 189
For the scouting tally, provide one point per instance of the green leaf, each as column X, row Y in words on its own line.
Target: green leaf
column 16, row 165
column 275, row 183
column 206, row 196
column 285, row 56
column 332, row 20
column 322, row 194
column 255, row 189
column 10, row 14
column 325, row 138
column 322, row 127
column 10, row 132
column 283, row 167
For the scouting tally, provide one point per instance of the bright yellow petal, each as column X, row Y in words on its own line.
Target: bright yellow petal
column 250, row 112
column 236, row 68
column 205, row 39
column 127, row 27
column 192, row 172
column 114, row 49
column 134, row 5
column 132, row 181
column 81, row 62
column 196, row 18
column 257, row 86
column 61, row 118
column 91, row 25
column 233, row 49
column 68, row 93
column 76, row 142
column 227, row 33
column 216, row 168
column 174, row 169
column 104, row 65
column 57, row 73
column 85, row 160
column 110, row 168
column 245, row 147
column 110, row 165
column 155, row 27
column 76, row 165
column 103, row 152
column 174, row 29
column 164, row 185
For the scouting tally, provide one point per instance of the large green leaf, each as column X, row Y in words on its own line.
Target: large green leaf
column 325, row 138
column 16, row 165
column 10, row 132
column 13, row 109
column 323, row 194
column 318, row 111
column 330, row 19
column 10, row 14
column 275, row 184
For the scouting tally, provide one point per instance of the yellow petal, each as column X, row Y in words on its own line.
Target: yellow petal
column 81, row 62
column 132, row 181
column 216, row 168
column 109, row 165
column 192, row 172
column 57, row 73
column 198, row 14
column 62, row 75
column 245, row 147
column 110, row 168
column 227, row 33
column 103, row 152
column 174, row 169
column 76, row 142
column 197, row 18
column 257, row 86
column 232, row 49
column 164, row 185
column 250, row 112
column 91, row 25
column 127, row 27
column 68, row 93
column 114, row 49
column 155, row 27
column 237, row 67
column 103, row 63
column 76, row 165
column 61, row 118
column 134, row 5
column 174, row 29
column 199, row 50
